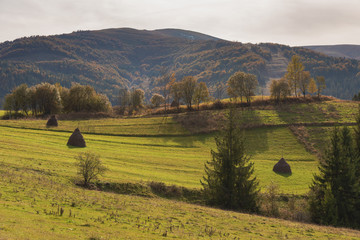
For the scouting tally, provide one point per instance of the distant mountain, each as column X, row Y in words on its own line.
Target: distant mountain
column 346, row 51
column 114, row 58
column 189, row 35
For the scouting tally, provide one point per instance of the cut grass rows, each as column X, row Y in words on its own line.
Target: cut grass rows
column 172, row 159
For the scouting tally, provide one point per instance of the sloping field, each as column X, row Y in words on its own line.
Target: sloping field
column 39, row 204
column 171, row 159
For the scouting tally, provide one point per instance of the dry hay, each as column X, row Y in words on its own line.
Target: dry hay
column 282, row 167
column 76, row 139
column 52, row 122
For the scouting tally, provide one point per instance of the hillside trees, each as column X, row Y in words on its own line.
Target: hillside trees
column 229, row 180
column 312, row 88
column 294, row 71
column 188, row 86
column 304, row 81
column 46, row 98
column 201, row 94
column 335, row 192
column 279, row 89
column 320, row 82
column 157, row 100
column 242, row 84
column 165, row 82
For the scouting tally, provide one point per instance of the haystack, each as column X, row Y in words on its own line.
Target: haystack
column 52, row 122
column 282, row 167
column 76, row 139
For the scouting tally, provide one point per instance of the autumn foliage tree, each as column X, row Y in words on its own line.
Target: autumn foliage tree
column 279, row 89
column 294, row 73
column 242, row 84
column 201, row 94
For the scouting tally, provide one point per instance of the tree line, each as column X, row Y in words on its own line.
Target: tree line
column 188, row 91
column 46, row 98
column 296, row 81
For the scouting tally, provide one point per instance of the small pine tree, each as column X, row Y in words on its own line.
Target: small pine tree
column 229, row 181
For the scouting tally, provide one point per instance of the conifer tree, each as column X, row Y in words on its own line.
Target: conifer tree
column 229, row 180
column 335, row 191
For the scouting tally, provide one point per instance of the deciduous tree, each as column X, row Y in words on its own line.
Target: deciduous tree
column 201, row 93
column 188, row 85
column 321, row 85
column 293, row 74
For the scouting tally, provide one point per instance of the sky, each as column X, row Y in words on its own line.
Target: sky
column 290, row 22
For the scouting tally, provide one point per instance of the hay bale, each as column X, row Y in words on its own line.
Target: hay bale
column 282, row 167
column 52, row 122
column 76, row 139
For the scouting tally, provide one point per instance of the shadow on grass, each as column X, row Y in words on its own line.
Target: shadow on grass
column 284, row 174
column 73, row 147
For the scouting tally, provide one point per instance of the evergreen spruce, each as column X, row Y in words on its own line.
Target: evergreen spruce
column 335, row 191
column 229, row 181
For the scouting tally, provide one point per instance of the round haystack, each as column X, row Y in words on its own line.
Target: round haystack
column 76, row 139
column 282, row 167
column 52, row 122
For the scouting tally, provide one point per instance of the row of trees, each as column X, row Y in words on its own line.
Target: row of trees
column 189, row 91
column 297, row 81
column 46, row 98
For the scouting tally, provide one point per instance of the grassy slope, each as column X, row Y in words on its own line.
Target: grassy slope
column 171, row 159
column 37, row 170
column 30, row 202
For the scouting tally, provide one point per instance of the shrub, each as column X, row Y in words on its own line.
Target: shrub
column 89, row 167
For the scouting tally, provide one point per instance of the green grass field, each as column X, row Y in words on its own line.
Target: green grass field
column 38, row 204
column 37, row 175
column 171, row 159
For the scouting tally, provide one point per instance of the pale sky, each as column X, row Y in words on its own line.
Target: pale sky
column 290, row 22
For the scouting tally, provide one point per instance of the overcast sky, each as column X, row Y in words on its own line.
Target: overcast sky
column 291, row 22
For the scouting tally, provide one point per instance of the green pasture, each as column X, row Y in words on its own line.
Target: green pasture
column 38, row 204
column 171, row 159
column 112, row 126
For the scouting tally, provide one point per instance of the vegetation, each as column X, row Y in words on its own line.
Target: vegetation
column 229, row 180
column 45, row 99
column 112, row 60
column 143, row 153
column 336, row 190
column 242, row 85
column 89, row 167
column 279, row 89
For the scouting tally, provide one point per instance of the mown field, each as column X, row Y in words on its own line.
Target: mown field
column 37, row 175
column 171, row 159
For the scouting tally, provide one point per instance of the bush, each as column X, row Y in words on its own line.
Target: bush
column 89, row 167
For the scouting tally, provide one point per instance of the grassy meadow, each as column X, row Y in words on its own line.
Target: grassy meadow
column 38, row 197
column 171, row 159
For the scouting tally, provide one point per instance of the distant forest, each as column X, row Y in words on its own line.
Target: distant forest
column 110, row 60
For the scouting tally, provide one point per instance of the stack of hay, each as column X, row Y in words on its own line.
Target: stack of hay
column 52, row 122
column 76, row 139
column 282, row 167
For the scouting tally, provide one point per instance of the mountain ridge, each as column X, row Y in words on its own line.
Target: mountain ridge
column 110, row 59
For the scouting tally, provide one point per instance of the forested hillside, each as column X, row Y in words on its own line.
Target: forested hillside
column 115, row 58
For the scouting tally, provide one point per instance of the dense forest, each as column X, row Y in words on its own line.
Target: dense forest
column 113, row 59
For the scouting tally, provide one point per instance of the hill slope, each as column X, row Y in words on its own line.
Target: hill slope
column 113, row 58
column 345, row 50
